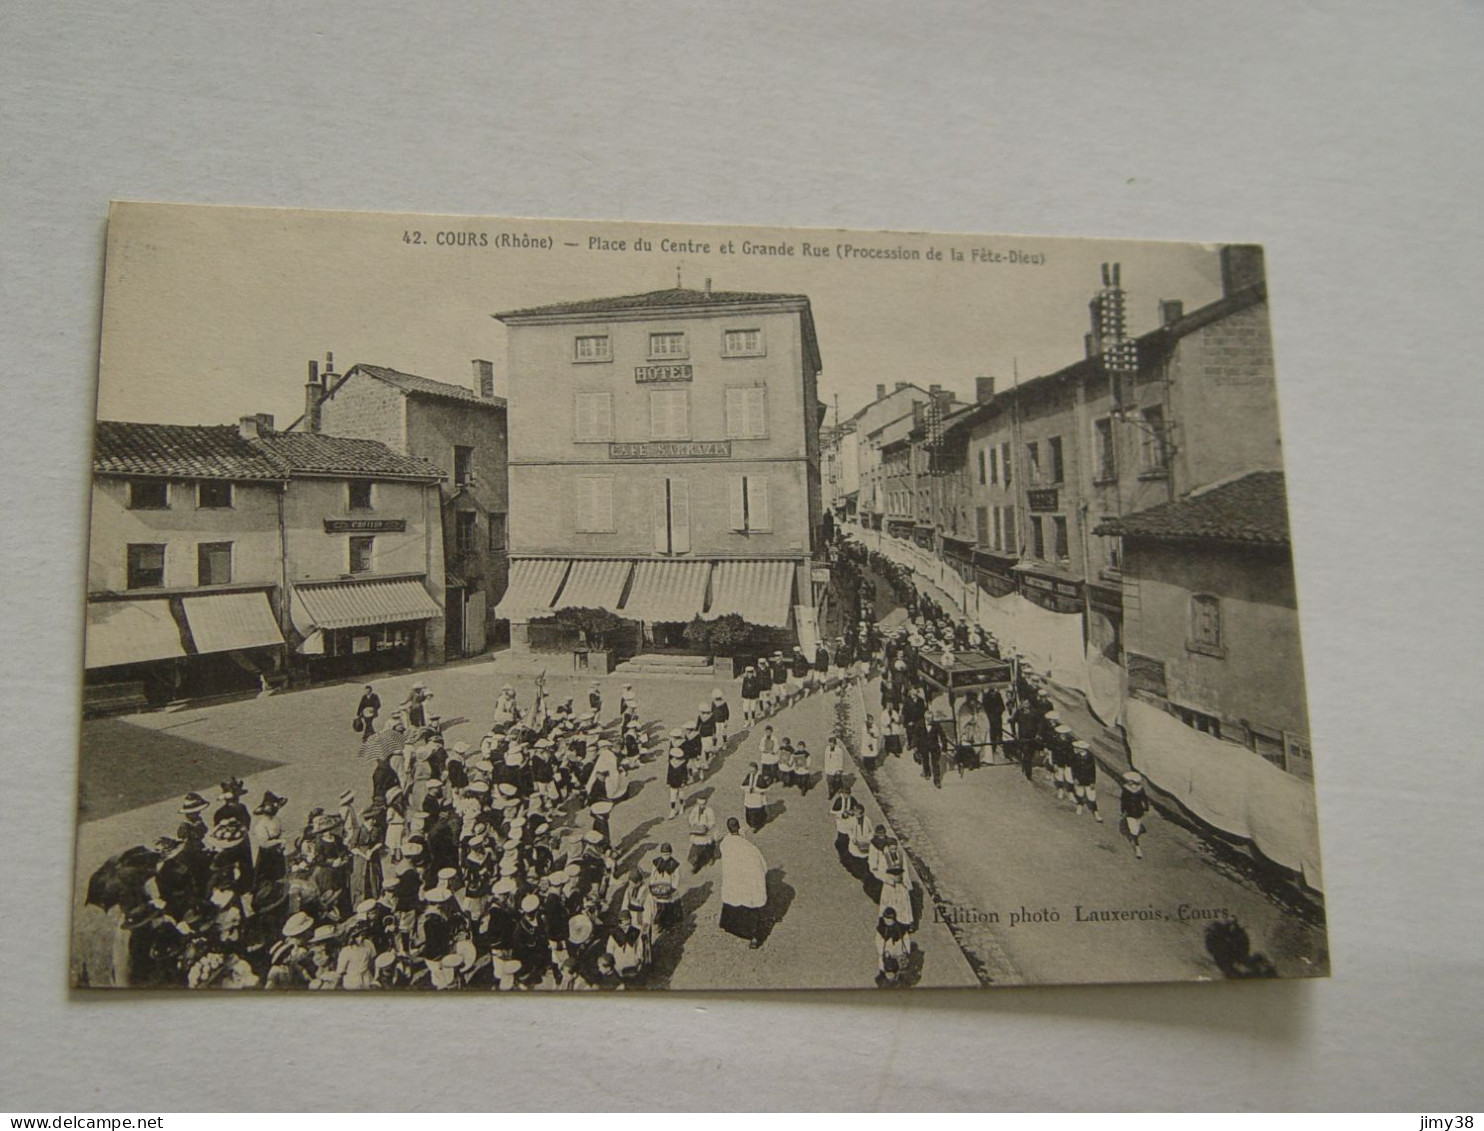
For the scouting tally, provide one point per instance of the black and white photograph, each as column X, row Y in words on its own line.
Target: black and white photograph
column 484, row 604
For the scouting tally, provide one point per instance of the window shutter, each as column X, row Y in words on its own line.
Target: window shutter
column 736, row 485
column 736, row 414
column 759, row 513
column 757, row 412
column 582, row 422
column 660, row 516
column 679, row 516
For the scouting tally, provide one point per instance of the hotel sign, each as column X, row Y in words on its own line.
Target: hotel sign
column 653, row 374
column 672, row 449
column 1041, row 499
column 365, row 525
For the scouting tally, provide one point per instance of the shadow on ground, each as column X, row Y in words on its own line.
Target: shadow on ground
column 124, row 766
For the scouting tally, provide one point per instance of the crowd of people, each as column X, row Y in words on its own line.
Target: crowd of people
column 492, row 864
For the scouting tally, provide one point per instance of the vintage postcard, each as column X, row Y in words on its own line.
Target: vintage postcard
column 485, row 604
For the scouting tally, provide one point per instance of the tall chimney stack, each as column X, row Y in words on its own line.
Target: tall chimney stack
column 983, row 389
column 902, row 385
column 708, row 284
column 255, row 426
column 1171, row 310
column 880, row 392
column 484, row 378
column 313, row 398
column 1241, row 266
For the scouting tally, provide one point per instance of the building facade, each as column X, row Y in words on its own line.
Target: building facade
column 185, row 564
column 664, row 458
column 887, row 408
column 460, row 431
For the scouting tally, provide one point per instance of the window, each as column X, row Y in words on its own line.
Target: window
column 593, row 418
column 1059, row 529
column 1033, row 463
column 1205, row 625
column 497, row 533
column 1156, row 450
column 146, row 565
column 981, row 525
column 669, row 414
column 360, row 494
column 1268, row 744
column 980, row 455
column 466, row 532
column 592, row 347
column 1106, row 468
column 361, row 548
column 463, row 465
column 1005, row 462
column 994, row 464
column 1053, row 452
column 213, row 563
column 149, row 495
column 1038, row 538
column 751, row 510
column 595, row 504
column 742, row 343
column 671, row 500
column 1112, row 548
column 213, row 495
column 1298, row 755
column 1199, row 720
column 667, row 345
column 999, row 531
column 747, row 413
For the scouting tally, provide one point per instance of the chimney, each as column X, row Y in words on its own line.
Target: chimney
column 255, row 427
column 901, row 385
column 1171, row 310
column 329, row 363
column 1090, row 344
column 708, row 284
column 1241, row 266
column 484, row 378
column 313, row 397
column 880, row 392
column 983, row 389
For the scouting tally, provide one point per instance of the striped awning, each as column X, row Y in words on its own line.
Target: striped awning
column 668, row 591
column 758, row 592
column 351, row 604
column 532, row 585
column 225, row 622
column 595, row 585
column 130, row 632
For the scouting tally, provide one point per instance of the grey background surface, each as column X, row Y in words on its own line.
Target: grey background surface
column 1343, row 136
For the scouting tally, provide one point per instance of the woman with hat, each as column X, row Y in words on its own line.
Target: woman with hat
column 366, row 842
column 415, row 706
column 231, row 803
column 265, row 835
column 1134, row 805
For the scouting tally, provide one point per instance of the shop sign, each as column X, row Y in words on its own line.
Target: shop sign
column 1042, row 498
column 365, row 525
column 672, row 449
column 1145, row 674
column 655, row 374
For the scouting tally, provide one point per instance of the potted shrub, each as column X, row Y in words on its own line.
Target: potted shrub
column 598, row 631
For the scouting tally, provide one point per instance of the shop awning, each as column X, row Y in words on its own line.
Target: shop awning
column 130, row 632
column 668, row 591
column 225, row 622
column 758, row 592
column 351, row 604
column 595, row 585
column 532, row 585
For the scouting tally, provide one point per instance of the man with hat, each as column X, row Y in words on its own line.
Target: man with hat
column 367, row 711
column 798, row 674
column 750, row 688
column 821, row 671
column 1084, row 771
column 779, row 673
column 721, row 714
column 664, row 886
column 1134, row 806
column 706, row 731
column 676, row 775
column 1061, row 760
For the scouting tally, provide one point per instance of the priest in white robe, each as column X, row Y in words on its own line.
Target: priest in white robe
column 744, row 885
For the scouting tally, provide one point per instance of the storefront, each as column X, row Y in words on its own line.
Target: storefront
column 993, row 573
column 1049, row 588
column 1105, row 622
column 355, row 627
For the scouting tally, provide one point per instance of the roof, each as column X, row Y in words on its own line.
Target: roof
column 186, row 451
column 675, row 297
column 1251, row 509
column 413, row 385
column 314, row 453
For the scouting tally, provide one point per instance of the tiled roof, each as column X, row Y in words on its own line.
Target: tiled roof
column 315, row 453
column 414, row 385
column 653, row 300
column 189, row 451
column 1253, row 508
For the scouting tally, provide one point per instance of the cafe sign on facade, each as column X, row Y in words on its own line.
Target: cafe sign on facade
column 672, row 449
column 1041, row 498
column 365, row 525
